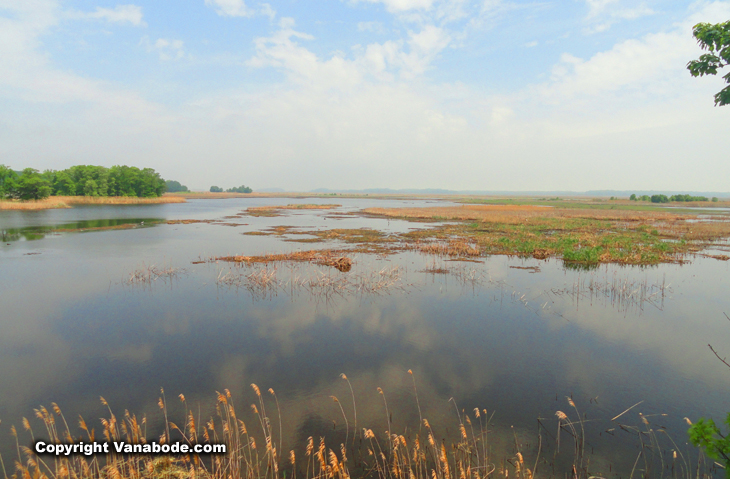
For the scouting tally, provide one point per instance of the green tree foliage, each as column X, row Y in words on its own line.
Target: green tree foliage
column 659, row 199
column 645, row 198
column 688, row 198
column 714, row 199
column 240, row 189
column 632, row 197
column 7, row 181
column 714, row 38
column 216, row 189
column 31, row 185
column 706, row 435
column 81, row 180
column 175, row 186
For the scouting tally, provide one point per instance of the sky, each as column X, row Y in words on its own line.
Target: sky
column 349, row 94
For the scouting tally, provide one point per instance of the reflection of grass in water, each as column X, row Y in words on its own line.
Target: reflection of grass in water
column 39, row 232
column 148, row 274
column 256, row 447
column 267, row 281
column 268, row 211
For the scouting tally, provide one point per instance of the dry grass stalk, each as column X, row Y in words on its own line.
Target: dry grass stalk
column 454, row 247
column 146, row 275
column 55, row 202
column 45, row 204
column 332, row 258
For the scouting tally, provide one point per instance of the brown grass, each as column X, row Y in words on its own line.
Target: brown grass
column 518, row 214
column 276, row 210
column 580, row 236
column 255, row 447
column 332, row 258
column 54, row 202
column 46, row 204
column 454, row 247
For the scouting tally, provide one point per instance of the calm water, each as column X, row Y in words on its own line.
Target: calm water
column 487, row 335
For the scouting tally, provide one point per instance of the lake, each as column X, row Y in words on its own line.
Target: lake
column 516, row 337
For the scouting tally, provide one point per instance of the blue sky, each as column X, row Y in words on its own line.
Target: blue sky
column 457, row 94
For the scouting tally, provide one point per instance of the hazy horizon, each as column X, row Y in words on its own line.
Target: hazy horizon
column 488, row 95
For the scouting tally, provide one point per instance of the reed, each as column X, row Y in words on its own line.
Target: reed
column 454, row 449
column 55, row 202
column 45, row 204
column 120, row 200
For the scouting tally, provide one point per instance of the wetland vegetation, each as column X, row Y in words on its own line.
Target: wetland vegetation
column 503, row 305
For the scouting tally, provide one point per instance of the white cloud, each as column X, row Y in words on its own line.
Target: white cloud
column 230, row 8
column 374, row 27
column 119, row 14
column 166, row 48
column 267, row 11
column 602, row 14
column 396, row 6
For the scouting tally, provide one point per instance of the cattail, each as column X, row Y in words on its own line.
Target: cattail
column 182, row 397
column 56, row 409
column 476, row 412
column 519, row 458
column 463, row 431
column 256, row 389
column 570, row 401
column 292, row 457
column 561, row 415
column 310, row 445
column 161, row 404
column 255, row 409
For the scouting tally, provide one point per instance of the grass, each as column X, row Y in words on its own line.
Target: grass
column 277, row 210
column 69, row 201
column 578, row 236
column 322, row 257
column 462, row 445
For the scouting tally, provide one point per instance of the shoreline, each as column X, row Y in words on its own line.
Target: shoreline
column 63, row 202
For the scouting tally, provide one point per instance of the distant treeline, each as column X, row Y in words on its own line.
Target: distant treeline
column 667, row 199
column 80, row 180
column 239, row 189
column 175, row 187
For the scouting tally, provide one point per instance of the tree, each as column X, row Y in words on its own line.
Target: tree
column 175, row 186
column 716, row 39
column 239, row 189
column 7, row 181
column 216, row 189
column 632, row 197
column 32, row 186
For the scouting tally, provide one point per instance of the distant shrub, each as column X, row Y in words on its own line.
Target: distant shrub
column 240, row 189
column 216, row 189
column 659, row 199
column 175, row 187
